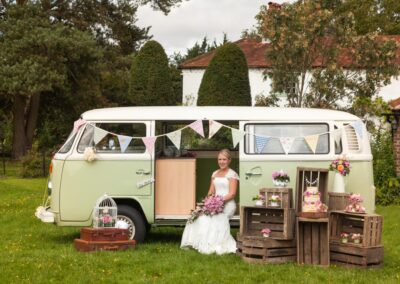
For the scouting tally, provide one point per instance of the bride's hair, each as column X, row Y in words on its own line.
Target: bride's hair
column 226, row 153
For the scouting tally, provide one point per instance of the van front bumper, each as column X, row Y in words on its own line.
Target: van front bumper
column 44, row 215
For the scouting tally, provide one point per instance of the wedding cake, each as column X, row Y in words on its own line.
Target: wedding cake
column 312, row 199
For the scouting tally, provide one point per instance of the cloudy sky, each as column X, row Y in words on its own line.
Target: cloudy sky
column 194, row 19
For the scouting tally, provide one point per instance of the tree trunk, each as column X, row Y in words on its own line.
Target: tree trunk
column 19, row 137
column 31, row 121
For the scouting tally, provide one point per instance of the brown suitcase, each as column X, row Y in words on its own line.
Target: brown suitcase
column 104, row 234
column 86, row 246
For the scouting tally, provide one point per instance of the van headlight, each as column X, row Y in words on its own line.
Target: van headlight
column 49, row 188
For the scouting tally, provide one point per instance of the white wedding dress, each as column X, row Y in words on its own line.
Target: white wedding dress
column 211, row 234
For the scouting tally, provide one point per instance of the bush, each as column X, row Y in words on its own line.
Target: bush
column 33, row 164
column 226, row 79
column 389, row 192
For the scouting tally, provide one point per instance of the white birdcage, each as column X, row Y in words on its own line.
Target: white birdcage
column 105, row 212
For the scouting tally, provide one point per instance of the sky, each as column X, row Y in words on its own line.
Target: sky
column 194, row 19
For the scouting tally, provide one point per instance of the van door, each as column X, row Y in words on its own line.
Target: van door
column 115, row 173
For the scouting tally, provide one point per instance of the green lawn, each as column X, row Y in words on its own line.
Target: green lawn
column 34, row 252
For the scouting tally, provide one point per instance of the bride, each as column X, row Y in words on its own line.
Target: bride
column 211, row 234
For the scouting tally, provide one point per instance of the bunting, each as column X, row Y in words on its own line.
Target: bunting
column 124, row 142
column 78, row 123
column 312, row 141
column 261, row 141
column 358, row 127
column 237, row 135
column 98, row 135
column 198, row 127
column 214, row 126
column 149, row 142
column 337, row 135
column 175, row 138
column 286, row 143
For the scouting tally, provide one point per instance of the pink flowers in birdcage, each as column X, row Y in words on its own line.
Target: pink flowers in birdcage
column 340, row 165
column 211, row 205
column 355, row 204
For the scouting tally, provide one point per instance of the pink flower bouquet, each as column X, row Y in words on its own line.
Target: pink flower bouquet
column 210, row 206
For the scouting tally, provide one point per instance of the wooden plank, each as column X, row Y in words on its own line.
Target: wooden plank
column 315, row 244
column 307, row 248
column 300, row 242
column 348, row 265
column 242, row 219
column 281, row 252
column 348, row 258
column 324, row 244
column 254, row 251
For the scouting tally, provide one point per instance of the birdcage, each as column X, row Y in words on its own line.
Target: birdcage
column 105, row 212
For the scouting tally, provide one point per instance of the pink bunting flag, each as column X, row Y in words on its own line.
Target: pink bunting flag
column 149, row 143
column 78, row 123
column 198, row 127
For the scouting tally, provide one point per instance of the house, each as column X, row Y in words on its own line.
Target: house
column 193, row 71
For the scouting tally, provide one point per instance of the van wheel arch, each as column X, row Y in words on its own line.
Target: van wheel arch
column 136, row 220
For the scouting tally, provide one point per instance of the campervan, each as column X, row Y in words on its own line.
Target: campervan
column 156, row 162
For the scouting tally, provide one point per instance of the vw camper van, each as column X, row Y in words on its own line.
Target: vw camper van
column 157, row 177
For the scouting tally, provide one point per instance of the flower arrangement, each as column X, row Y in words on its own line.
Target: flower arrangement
column 265, row 232
column 355, row 198
column 259, row 200
column 274, row 200
column 356, row 238
column 344, row 237
column 322, row 208
column 355, row 204
column 89, row 154
column 340, row 165
column 280, row 176
column 211, row 205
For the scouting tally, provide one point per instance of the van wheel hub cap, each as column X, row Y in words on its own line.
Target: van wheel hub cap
column 131, row 227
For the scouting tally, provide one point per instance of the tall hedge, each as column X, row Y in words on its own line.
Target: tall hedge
column 150, row 83
column 226, row 79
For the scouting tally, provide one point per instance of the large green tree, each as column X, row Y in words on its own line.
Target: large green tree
column 319, row 60
column 226, row 79
column 151, row 82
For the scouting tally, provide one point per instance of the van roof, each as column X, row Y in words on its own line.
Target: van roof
column 225, row 113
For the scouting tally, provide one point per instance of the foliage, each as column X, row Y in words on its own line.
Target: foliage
column 308, row 34
column 226, row 79
column 389, row 192
column 151, row 82
column 34, row 163
column 268, row 101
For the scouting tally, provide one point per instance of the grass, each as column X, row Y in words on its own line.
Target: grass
column 34, row 252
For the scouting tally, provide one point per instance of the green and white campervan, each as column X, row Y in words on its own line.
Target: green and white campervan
column 160, row 185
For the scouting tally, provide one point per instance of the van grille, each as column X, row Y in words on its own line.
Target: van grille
column 352, row 141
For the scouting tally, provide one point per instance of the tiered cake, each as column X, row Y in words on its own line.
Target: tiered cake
column 312, row 200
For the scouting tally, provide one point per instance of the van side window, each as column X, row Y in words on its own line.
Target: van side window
column 295, row 130
column 110, row 143
column 67, row 146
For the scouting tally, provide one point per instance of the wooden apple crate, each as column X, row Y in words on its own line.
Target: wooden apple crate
column 352, row 255
column 280, row 221
column 285, row 194
column 337, row 201
column 369, row 226
column 313, row 241
column 254, row 249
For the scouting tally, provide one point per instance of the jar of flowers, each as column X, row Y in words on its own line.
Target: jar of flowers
column 356, row 238
column 280, row 178
column 259, row 200
column 274, row 200
column 266, row 232
column 341, row 167
column 344, row 237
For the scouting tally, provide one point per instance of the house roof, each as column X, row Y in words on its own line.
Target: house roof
column 395, row 104
column 254, row 52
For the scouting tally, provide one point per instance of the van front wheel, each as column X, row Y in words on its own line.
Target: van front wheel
column 135, row 220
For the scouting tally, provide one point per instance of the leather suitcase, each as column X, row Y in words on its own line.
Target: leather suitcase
column 104, row 234
column 87, row 246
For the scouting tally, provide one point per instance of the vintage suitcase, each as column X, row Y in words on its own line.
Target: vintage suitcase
column 104, row 234
column 86, row 246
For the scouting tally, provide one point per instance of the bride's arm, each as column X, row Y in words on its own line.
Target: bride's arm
column 211, row 190
column 233, row 183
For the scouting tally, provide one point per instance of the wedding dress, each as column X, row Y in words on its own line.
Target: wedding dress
column 211, row 234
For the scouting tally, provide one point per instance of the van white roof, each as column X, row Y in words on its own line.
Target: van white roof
column 215, row 113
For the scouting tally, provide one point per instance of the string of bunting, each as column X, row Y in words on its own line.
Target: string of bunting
column 260, row 140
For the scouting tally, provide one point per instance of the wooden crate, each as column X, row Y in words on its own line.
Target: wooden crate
column 254, row 249
column 313, row 241
column 311, row 175
column 351, row 255
column 280, row 221
column 337, row 201
column 286, row 195
column 368, row 225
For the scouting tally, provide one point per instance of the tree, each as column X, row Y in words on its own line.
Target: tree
column 151, row 82
column 226, row 79
column 319, row 59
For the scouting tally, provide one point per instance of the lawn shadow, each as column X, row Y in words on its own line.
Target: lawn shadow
column 165, row 235
column 63, row 238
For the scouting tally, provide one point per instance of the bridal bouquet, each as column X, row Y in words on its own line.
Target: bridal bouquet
column 210, row 206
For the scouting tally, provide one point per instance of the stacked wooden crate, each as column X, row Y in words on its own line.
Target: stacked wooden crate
column 280, row 247
column 369, row 252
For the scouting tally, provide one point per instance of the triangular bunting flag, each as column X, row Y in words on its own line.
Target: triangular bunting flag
column 78, row 123
column 124, row 142
column 237, row 135
column 175, row 138
column 358, row 127
column 261, row 141
column 312, row 141
column 198, row 127
column 337, row 135
column 286, row 143
column 213, row 128
column 149, row 143
column 99, row 134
